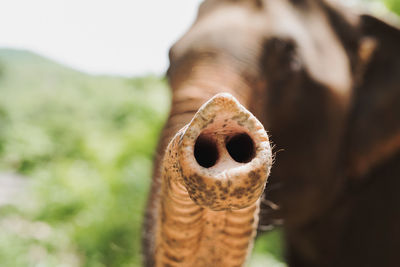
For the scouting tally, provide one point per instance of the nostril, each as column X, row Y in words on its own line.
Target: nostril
column 241, row 148
column 205, row 151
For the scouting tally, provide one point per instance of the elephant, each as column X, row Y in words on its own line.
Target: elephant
column 324, row 81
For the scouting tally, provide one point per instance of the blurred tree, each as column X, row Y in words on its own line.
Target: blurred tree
column 86, row 143
column 1, row 69
column 393, row 5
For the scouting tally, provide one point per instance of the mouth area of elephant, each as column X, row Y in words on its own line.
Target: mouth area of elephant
column 213, row 174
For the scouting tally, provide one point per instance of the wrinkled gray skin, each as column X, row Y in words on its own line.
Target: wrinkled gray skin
column 326, row 86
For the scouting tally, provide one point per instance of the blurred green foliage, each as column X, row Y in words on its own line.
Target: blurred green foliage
column 85, row 146
column 393, row 5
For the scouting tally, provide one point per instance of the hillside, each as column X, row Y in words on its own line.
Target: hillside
column 86, row 144
column 81, row 148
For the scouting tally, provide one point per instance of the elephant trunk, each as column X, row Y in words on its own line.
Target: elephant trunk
column 213, row 174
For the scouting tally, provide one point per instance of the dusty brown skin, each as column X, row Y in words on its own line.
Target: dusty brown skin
column 326, row 85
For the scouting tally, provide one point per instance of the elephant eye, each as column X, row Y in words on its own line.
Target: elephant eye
column 280, row 58
column 283, row 72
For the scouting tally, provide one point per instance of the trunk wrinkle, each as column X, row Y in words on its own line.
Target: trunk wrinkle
column 208, row 216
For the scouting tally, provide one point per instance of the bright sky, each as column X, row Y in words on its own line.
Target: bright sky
column 124, row 37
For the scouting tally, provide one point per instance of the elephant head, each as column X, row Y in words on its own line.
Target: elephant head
column 325, row 83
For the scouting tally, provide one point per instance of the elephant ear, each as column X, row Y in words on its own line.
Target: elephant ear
column 375, row 118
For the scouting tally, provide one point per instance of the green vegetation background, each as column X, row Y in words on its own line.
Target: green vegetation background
column 84, row 146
